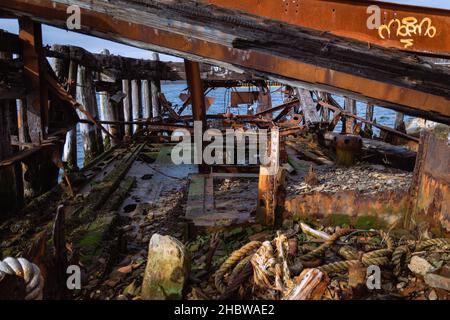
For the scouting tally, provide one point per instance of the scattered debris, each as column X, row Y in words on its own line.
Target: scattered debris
column 366, row 178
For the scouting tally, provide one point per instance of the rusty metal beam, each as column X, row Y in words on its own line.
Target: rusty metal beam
column 198, row 102
column 348, row 18
column 156, row 35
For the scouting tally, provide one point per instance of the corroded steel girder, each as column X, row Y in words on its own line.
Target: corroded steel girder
column 201, row 43
column 348, row 18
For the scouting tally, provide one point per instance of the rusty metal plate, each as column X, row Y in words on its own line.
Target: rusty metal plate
column 404, row 27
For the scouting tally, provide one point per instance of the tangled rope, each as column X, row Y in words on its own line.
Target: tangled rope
column 29, row 272
column 268, row 261
column 317, row 253
column 232, row 261
column 404, row 252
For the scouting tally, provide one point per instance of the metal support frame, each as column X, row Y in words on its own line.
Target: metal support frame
column 198, row 100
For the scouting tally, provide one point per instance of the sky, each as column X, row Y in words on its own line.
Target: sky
column 53, row 35
column 443, row 4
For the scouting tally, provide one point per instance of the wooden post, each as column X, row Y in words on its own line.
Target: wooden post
column 137, row 102
column 70, row 147
column 86, row 97
column 34, row 67
column 127, row 113
column 399, row 122
column 8, row 190
column 40, row 173
column 198, row 101
column 368, row 131
column 155, row 87
column 350, row 106
column 324, row 96
column 14, row 131
column 118, row 105
column 147, row 103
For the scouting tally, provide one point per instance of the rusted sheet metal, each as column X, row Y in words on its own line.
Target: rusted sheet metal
column 381, row 209
column 411, row 28
column 279, row 68
column 431, row 186
column 238, row 97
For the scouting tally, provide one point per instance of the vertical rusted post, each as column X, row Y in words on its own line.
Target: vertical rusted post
column 271, row 185
column 137, row 102
column 155, row 87
column 86, row 97
column 126, row 88
column 70, row 147
column 198, row 101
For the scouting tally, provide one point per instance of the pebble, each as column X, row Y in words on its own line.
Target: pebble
column 400, row 285
column 432, row 295
column 420, row 266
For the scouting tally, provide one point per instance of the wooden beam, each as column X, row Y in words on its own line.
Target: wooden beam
column 30, row 34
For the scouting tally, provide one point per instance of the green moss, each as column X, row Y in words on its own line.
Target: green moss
column 340, row 220
column 366, row 222
column 91, row 241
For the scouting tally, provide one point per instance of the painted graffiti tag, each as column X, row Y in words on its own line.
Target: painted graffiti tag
column 407, row 28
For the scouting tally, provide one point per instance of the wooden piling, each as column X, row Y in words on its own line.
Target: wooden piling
column 14, row 131
column 70, row 147
column 118, row 105
column 400, row 122
column 147, row 100
column 155, row 87
column 127, row 113
column 86, row 97
column 350, row 106
column 8, row 189
column 368, row 131
column 324, row 96
column 137, row 102
column 39, row 172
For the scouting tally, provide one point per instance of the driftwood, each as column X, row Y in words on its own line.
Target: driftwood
column 309, row 285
